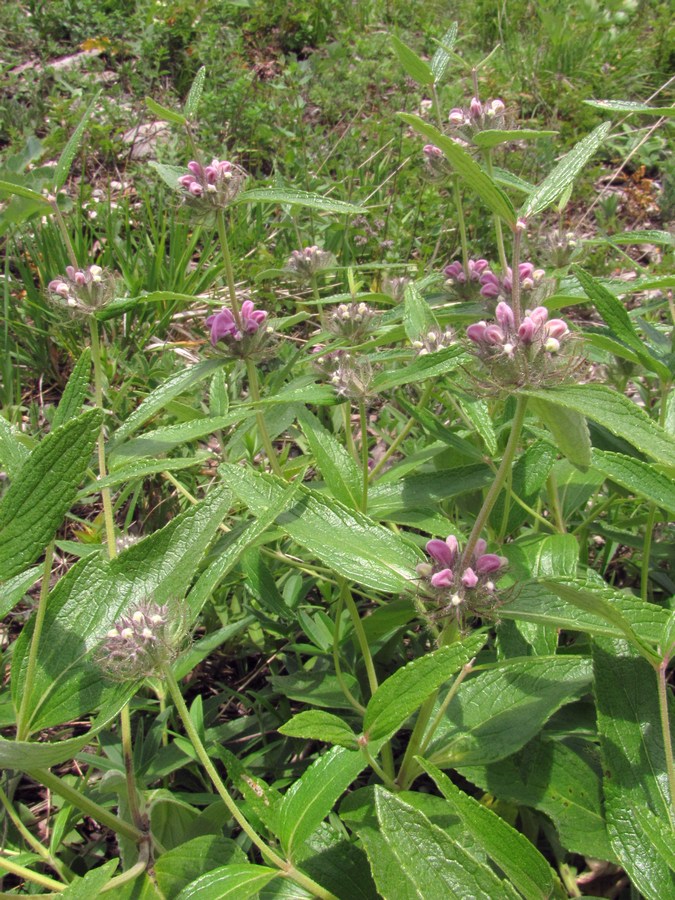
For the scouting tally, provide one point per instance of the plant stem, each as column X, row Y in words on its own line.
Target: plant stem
column 88, row 807
column 499, row 479
column 515, row 278
column 229, row 271
column 554, row 502
column 363, row 416
column 404, row 778
column 22, row 728
column 359, row 707
column 463, row 672
column 268, row 854
column 360, row 637
column 499, row 233
column 102, row 471
column 349, row 435
column 461, row 222
column 662, row 681
column 62, row 870
column 128, row 755
column 254, row 388
column 29, row 875
column 64, row 234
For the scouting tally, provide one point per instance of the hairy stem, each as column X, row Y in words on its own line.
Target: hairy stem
column 102, row 470
column 254, row 388
column 499, row 479
column 229, row 271
column 662, row 681
column 266, row 851
column 365, row 472
column 23, row 728
column 128, row 755
column 461, row 222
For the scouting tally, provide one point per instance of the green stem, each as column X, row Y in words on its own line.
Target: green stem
column 254, row 388
column 359, row 707
column 229, row 271
column 554, row 502
column 404, row 778
column 499, row 479
column 651, row 517
column 268, row 854
column 360, row 637
column 28, row 875
column 457, row 196
column 22, row 728
column 84, row 804
column 128, row 755
column 662, row 681
column 349, row 435
column 515, row 278
column 102, row 471
column 70, row 250
column 499, row 233
column 464, row 671
column 364, row 454
column 62, row 870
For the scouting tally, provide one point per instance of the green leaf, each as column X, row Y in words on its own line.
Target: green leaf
column 493, row 137
column 13, row 590
column 92, row 884
column 353, row 544
column 495, row 712
column 628, row 106
column 468, row 169
column 234, row 882
column 169, row 174
column 142, row 469
column 195, row 94
column 13, row 452
column 418, row 317
column 42, row 493
column 619, row 322
column 174, row 386
column 68, row 154
column 184, row 864
column 636, row 476
column 565, row 172
column 428, row 860
column 441, row 58
column 18, row 190
column 510, row 850
column 309, row 800
column 639, row 236
column 416, row 68
column 562, row 780
column 338, row 864
column 91, row 597
column 634, row 765
column 163, row 440
column 336, row 464
column 419, row 491
column 536, row 603
column 397, row 698
column 317, row 725
column 431, row 365
column 75, row 392
column 164, row 113
column 599, row 604
column 529, row 475
column 617, row 414
column 569, row 429
column 291, row 197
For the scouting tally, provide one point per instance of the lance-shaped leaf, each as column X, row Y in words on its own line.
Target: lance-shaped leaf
column 75, row 392
column 185, row 863
column 636, row 476
column 509, row 849
column 635, row 767
column 441, row 58
column 292, row 197
column 419, row 70
column 309, row 800
column 617, row 414
column 43, row 492
column 317, row 725
column 68, row 154
column 468, row 170
column 14, row 589
column 195, row 93
column 427, row 859
column 569, row 428
column 493, row 137
column 335, row 463
column 628, row 106
column 565, row 172
column 13, row 450
column 353, row 544
column 238, row 881
column 18, row 190
column 164, row 113
column 91, row 597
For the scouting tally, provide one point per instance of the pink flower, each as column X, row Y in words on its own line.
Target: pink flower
column 444, row 552
column 223, row 326
column 442, row 579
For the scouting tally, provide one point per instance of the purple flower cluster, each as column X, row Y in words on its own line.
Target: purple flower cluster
column 224, row 326
column 142, row 642
column 81, row 290
column 456, row 275
column 449, row 572
column 478, row 116
column 305, row 263
column 219, row 182
column 535, row 330
column 492, row 286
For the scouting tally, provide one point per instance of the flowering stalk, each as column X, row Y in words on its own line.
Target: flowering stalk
column 498, row 222
column 461, row 223
column 22, row 728
column 102, row 470
column 127, row 753
column 365, row 470
column 266, row 851
column 499, row 479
